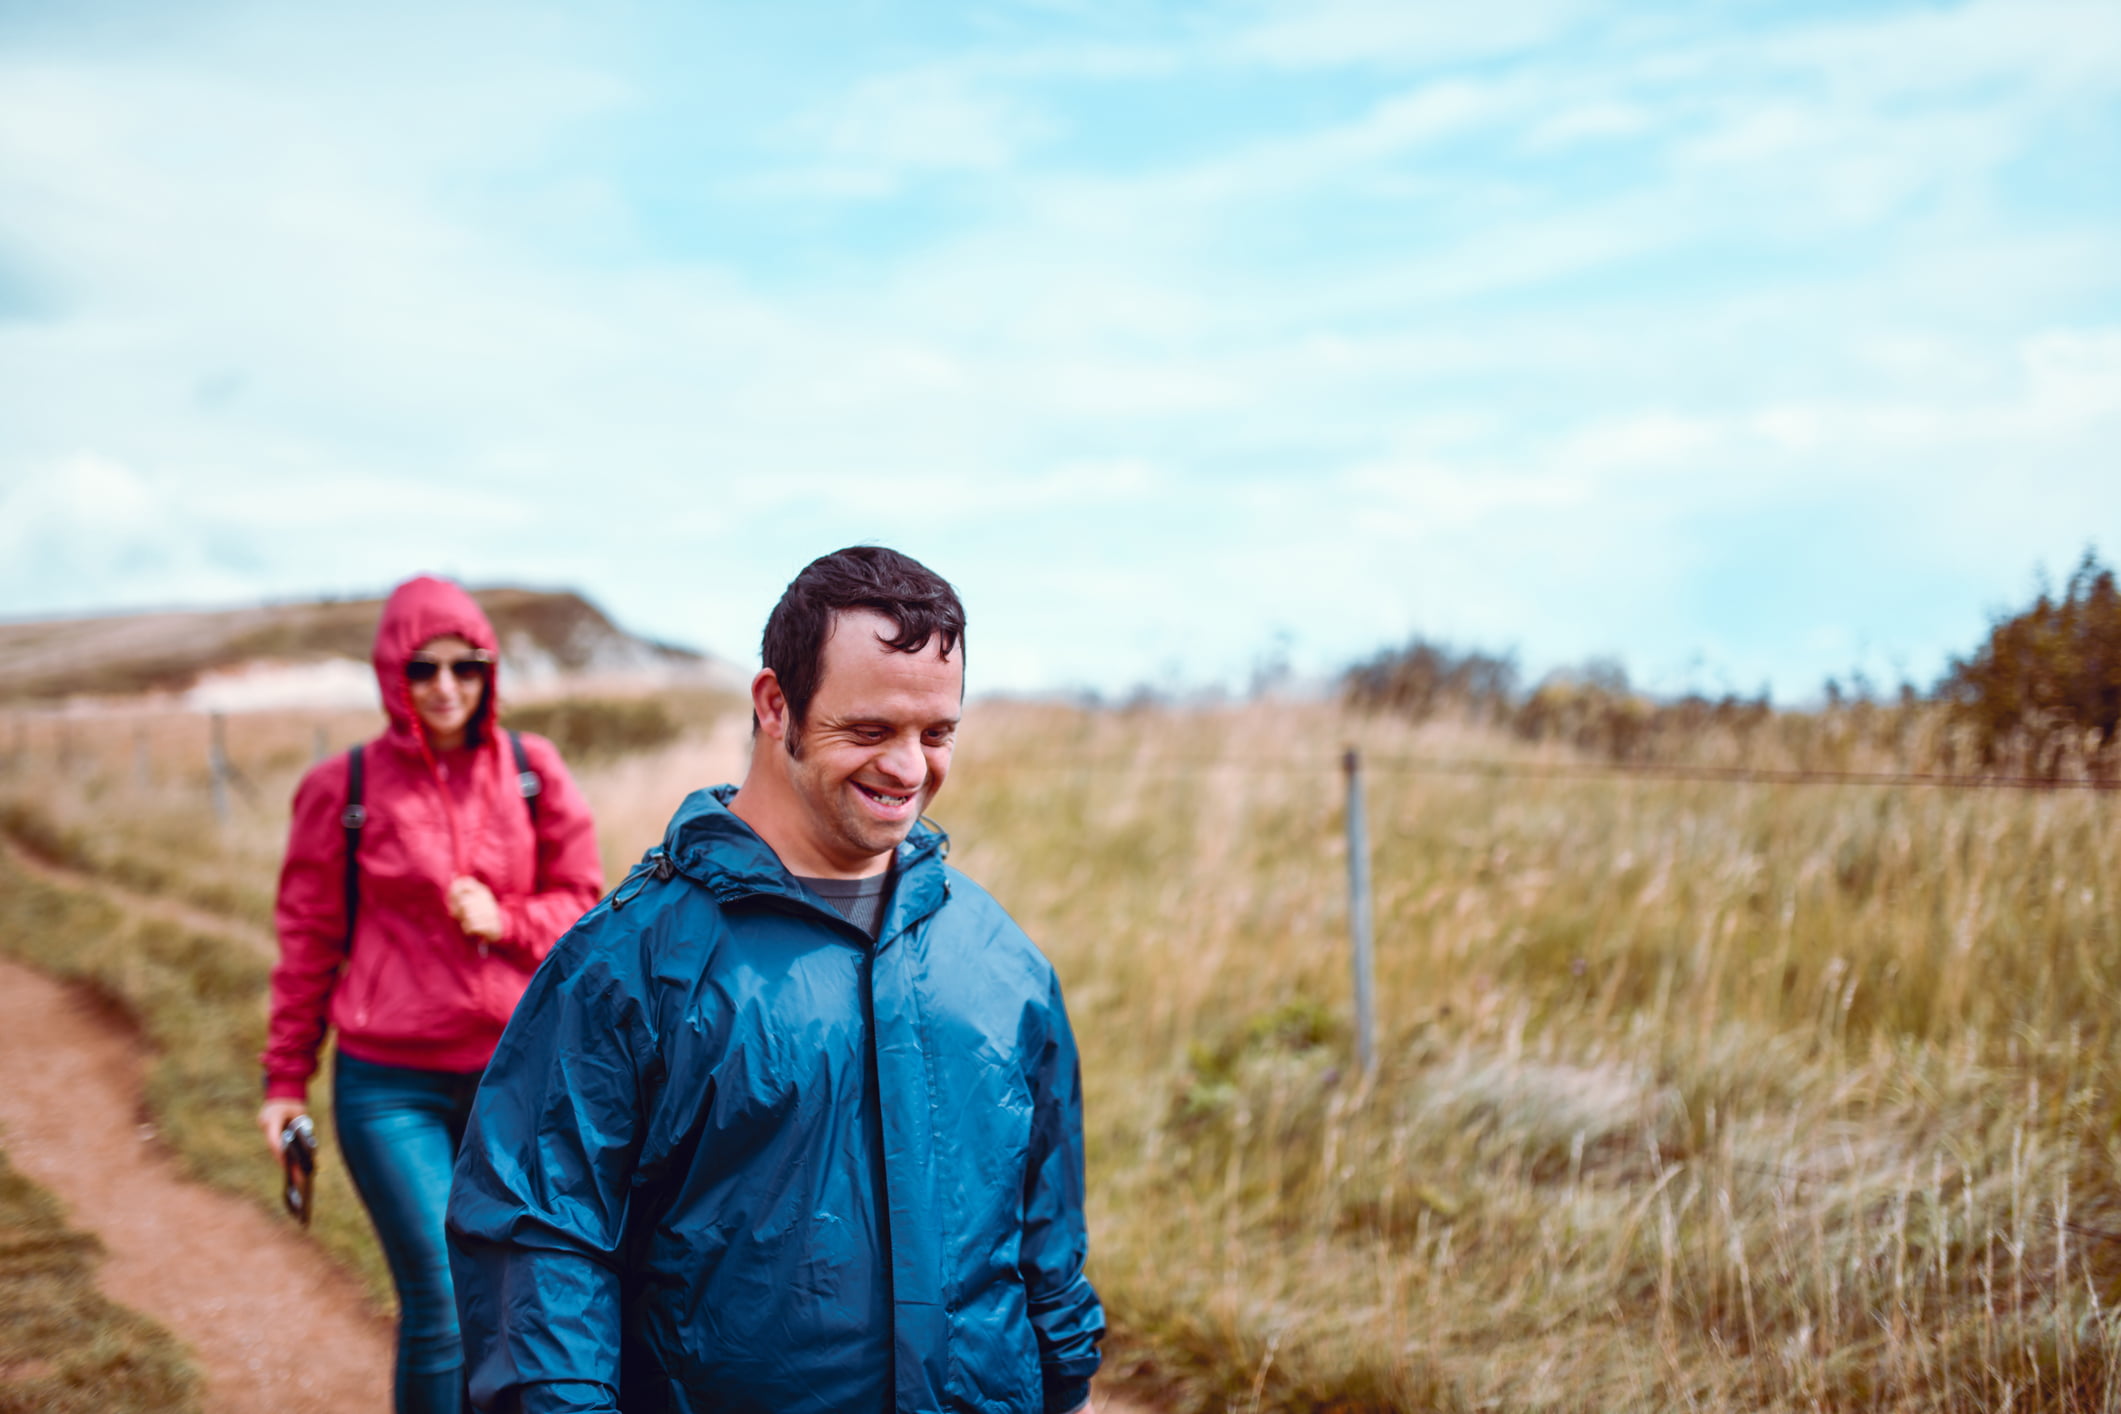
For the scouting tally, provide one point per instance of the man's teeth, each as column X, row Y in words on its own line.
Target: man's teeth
column 878, row 795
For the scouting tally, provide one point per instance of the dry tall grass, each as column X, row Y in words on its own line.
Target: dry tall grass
column 1691, row 1096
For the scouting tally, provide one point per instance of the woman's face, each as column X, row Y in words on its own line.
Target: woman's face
column 448, row 698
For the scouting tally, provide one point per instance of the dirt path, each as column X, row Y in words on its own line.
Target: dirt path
column 277, row 1328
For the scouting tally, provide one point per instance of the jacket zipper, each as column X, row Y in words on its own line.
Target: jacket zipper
column 883, row 1162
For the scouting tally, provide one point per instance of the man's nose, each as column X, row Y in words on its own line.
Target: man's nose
column 903, row 762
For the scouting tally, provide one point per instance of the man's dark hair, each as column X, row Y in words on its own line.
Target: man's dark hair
column 915, row 598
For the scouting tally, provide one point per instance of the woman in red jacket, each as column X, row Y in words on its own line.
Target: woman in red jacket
column 465, row 872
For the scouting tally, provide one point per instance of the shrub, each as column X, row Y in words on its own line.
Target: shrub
column 592, row 728
column 2043, row 694
column 1422, row 678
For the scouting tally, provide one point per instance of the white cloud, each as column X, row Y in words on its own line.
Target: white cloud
column 1413, row 502
column 81, row 493
column 2045, row 46
column 934, row 118
column 1597, row 120
column 2075, row 377
column 86, row 521
column 1333, row 33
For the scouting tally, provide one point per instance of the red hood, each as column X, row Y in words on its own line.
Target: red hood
column 418, row 611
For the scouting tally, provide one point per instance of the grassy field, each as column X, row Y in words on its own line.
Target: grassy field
column 1690, row 1095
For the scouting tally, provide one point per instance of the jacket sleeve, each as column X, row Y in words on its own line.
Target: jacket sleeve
column 309, row 914
column 538, row 1206
column 569, row 874
column 1065, row 1312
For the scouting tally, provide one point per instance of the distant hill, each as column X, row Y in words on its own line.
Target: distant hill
column 320, row 648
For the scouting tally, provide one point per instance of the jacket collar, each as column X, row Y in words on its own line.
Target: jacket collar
column 712, row 846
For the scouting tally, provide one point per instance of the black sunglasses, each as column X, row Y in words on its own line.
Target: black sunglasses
column 462, row 669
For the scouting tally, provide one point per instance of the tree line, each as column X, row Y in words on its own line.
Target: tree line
column 2039, row 697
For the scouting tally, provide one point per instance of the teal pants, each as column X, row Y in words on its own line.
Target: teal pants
column 399, row 1130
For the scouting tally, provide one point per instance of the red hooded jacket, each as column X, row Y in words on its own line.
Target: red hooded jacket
column 417, row 991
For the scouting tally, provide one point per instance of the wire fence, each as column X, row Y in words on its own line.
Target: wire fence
column 67, row 742
column 1169, row 763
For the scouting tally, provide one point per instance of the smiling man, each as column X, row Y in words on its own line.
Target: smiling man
column 791, row 1121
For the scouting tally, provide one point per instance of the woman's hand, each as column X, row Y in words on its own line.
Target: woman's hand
column 273, row 1117
column 476, row 910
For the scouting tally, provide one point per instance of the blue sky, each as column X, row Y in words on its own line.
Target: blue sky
column 1744, row 342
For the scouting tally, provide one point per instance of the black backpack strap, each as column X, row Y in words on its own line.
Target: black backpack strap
column 527, row 781
column 354, row 817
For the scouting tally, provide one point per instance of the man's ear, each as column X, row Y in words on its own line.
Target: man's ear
column 769, row 705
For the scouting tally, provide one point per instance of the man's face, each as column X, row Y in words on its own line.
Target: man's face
column 876, row 744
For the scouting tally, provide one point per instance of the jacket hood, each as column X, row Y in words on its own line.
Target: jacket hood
column 711, row 845
column 417, row 612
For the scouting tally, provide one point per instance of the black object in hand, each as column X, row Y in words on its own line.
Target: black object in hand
column 298, row 1158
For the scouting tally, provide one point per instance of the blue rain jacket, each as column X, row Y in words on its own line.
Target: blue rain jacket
column 730, row 1155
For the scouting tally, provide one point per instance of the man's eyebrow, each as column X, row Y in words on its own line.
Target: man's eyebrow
column 852, row 719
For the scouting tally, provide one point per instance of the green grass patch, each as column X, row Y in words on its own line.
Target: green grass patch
column 134, row 861
column 64, row 1347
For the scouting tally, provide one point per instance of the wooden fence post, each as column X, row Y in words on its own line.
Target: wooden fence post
column 1359, row 929
column 217, row 763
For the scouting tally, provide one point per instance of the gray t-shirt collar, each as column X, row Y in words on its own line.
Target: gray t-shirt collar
column 860, row 901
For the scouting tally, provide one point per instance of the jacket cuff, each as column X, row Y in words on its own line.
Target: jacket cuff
column 285, row 1088
column 1066, row 1393
column 515, row 929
